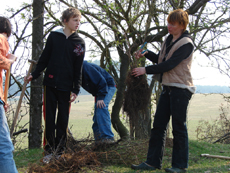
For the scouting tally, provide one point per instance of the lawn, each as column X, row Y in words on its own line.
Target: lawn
column 201, row 107
column 119, row 158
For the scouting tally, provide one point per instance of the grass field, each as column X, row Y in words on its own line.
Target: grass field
column 201, row 107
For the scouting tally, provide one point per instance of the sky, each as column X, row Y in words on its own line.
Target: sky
column 202, row 75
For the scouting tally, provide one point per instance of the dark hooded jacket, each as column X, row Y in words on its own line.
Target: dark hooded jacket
column 62, row 60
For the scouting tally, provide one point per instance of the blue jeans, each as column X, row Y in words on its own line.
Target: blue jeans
column 101, row 119
column 7, row 164
column 173, row 102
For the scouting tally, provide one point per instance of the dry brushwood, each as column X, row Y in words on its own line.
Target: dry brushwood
column 136, row 96
column 136, row 101
column 217, row 130
column 69, row 162
column 83, row 157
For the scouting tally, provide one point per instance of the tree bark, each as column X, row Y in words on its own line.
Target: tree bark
column 35, row 127
column 115, row 115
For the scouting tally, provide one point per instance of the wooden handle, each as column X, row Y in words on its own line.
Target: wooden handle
column 215, row 156
column 20, row 101
column 6, row 88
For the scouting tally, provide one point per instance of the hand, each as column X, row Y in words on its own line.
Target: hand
column 28, row 79
column 6, row 106
column 138, row 71
column 100, row 104
column 12, row 58
column 138, row 54
column 73, row 97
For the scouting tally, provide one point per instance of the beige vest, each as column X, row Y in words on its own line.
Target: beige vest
column 180, row 76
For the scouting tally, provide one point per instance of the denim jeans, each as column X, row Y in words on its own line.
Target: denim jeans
column 101, row 119
column 173, row 102
column 7, row 164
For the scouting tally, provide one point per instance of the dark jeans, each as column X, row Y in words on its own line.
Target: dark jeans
column 173, row 101
column 55, row 126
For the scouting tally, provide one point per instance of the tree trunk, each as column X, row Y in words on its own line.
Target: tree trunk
column 143, row 124
column 142, row 128
column 35, row 128
column 115, row 115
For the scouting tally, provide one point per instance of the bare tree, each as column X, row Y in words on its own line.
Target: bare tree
column 115, row 30
column 119, row 27
column 35, row 130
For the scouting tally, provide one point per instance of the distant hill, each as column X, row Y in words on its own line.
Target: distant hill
column 212, row 89
column 202, row 89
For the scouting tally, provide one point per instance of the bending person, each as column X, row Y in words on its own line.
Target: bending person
column 100, row 84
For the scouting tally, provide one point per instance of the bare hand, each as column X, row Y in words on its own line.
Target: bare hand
column 100, row 104
column 28, row 79
column 6, row 106
column 12, row 58
column 139, row 55
column 73, row 97
column 138, row 71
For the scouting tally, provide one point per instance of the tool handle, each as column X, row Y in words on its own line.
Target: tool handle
column 20, row 102
column 6, row 87
column 215, row 156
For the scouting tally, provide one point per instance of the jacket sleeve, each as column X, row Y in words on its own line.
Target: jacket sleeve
column 152, row 56
column 78, row 70
column 4, row 62
column 44, row 59
column 179, row 55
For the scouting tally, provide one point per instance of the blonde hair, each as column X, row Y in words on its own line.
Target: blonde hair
column 68, row 13
column 179, row 16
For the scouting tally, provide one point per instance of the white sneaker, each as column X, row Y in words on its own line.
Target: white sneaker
column 47, row 158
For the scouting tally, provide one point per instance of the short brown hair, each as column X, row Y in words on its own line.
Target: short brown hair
column 5, row 26
column 179, row 16
column 68, row 13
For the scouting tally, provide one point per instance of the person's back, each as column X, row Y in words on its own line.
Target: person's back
column 95, row 79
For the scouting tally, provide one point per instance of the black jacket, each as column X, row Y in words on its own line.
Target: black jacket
column 62, row 58
column 96, row 80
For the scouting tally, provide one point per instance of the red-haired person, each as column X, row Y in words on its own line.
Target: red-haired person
column 173, row 66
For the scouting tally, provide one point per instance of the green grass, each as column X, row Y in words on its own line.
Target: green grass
column 119, row 158
column 201, row 107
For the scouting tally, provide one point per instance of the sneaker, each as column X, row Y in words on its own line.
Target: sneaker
column 108, row 141
column 105, row 142
column 47, row 158
column 175, row 170
column 143, row 166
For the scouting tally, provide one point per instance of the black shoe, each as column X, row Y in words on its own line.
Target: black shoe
column 175, row 170
column 143, row 166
